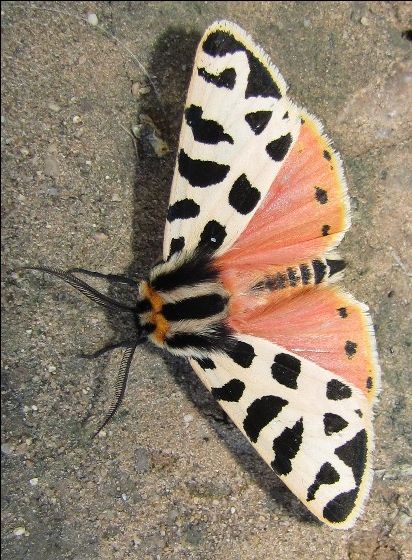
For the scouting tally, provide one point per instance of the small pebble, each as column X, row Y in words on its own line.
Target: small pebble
column 51, row 166
column 34, row 481
column 187, row 418
column 77, row 119
column 35, row 408
column 364, row 21
column 100, row 236
column 20, row 531
column 54, row 107
column 6, row 449
column 116, row 198
column 92, row 19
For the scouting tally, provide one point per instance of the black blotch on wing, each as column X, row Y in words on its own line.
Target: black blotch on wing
column 333, row 423
column 205, row 130
column 260, row 81
column 286, row 447
column 260, row 413
column 183, row 209
column 286, row 370
column 327, row 475
column 205, row 363
column 176, row 245
column 232, row 391
column 258, row 120
column 337, row 391
column 226, row 79
column 242, row 353
column 220, row 43
column 340, row 507
column 212, row 236
column 201, row 173
column 242, row 196
column 278, row 148
column 354, row 454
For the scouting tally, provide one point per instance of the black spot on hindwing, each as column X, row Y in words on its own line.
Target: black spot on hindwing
column 333, row 423
column 327, row 155
column 212, row 236
column 205, row 131
column 343, row 312
column 226, row 79
column 286, row 370
column 327, row 475
column 278, row 148
column 260, row 413
column 337, row 391
column 232, row 391
column 338, row 509
column 321, row 195
column 354, row 454
column 286, row 446
column 242, row 196
column 242, row 353
column 183, row 209
column 258, row 120
column 201, row 173
column 350, row 348
column 325, row 230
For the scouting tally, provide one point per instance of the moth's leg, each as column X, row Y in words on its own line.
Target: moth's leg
column 108, row 348
column 111, row 278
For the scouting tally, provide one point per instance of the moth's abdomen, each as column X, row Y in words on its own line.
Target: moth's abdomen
column 183, row 307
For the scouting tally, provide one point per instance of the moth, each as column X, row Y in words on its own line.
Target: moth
column 246, row 289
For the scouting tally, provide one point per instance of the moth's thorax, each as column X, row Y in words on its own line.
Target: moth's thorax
column 183, row 306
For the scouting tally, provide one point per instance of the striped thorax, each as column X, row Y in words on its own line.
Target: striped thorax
column 183, row 306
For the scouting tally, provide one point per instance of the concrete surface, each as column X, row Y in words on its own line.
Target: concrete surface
column 171, row 478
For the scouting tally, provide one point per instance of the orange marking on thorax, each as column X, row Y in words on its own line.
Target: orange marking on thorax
column 156, row 301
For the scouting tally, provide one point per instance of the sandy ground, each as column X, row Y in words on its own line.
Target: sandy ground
column 171, row 478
